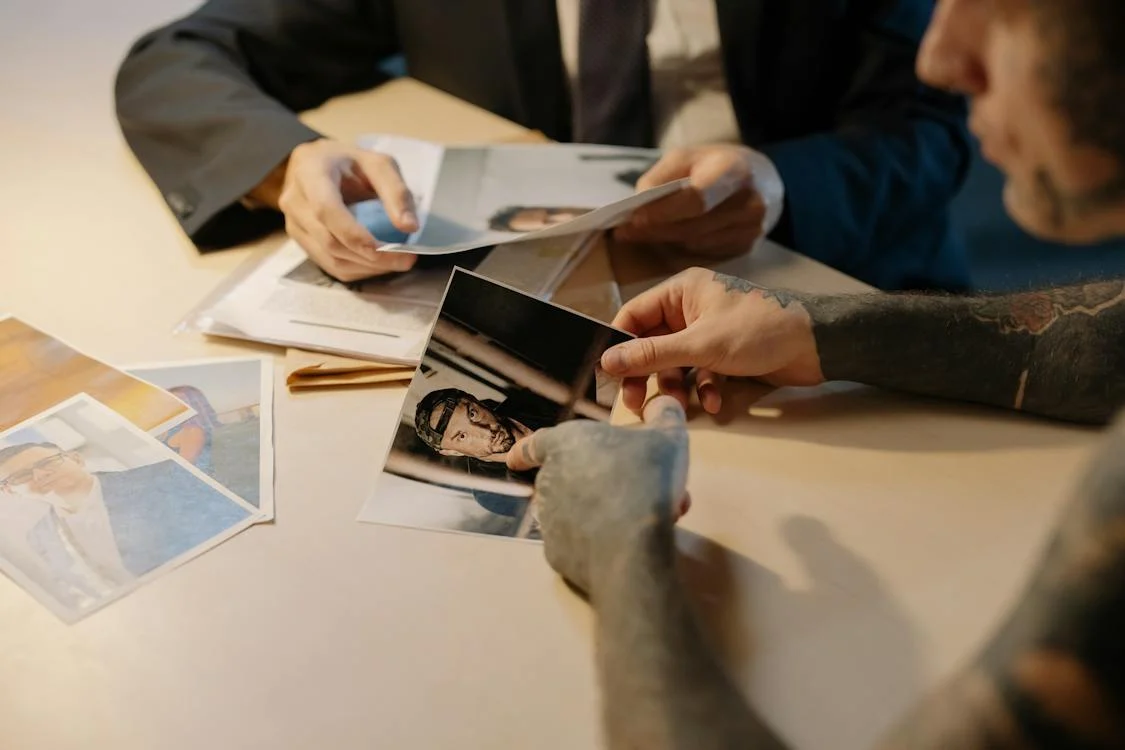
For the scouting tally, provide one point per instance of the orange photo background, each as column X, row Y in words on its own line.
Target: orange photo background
column 37, row 372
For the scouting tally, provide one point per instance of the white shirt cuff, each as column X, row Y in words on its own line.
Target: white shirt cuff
column 767, row 181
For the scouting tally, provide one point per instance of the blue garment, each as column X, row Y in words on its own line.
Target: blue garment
column 871, row 158
column 203, row 461
column 157, row 512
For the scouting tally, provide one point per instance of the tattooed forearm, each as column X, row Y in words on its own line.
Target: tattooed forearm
column 663, row 688
column 742, row 286
column 1059, row 353
column 1054, row 675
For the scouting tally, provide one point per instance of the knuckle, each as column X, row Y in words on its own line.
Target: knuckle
column 697, row 274
column 381, row 160
column 679, row 154
column 287, row 201
column 646, row 351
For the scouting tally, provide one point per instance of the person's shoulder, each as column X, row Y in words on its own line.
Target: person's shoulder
column 155, row 474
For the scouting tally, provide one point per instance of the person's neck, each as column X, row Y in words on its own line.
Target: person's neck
column 72, row 501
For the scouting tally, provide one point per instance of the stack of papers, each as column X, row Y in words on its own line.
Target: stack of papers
column 108, row 481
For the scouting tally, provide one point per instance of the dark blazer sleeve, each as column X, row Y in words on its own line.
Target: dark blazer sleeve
column 871, row 195
column 208, row 102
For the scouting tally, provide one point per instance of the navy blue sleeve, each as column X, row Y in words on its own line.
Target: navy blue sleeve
column 871, row 196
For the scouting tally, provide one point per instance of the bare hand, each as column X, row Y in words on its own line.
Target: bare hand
column 720, row 215
column 600, row 486
column 321, row 179
column 720, row 325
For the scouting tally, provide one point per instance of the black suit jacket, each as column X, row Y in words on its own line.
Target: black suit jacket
column 826, row 88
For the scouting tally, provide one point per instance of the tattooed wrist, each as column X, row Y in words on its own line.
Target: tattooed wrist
column 736, row 285
column 649, row 545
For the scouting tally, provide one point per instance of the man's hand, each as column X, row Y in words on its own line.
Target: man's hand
column 722, row 213
column 320, row 179
column 601, row 487
column 720, row 325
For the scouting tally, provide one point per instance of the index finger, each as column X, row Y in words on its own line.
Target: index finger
column 328, row 208
column 687, row 203
column 651, row 310
column 530, row 452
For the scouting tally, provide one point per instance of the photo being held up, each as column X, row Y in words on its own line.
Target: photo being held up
column 499, row 365
column 532, row 218
column 454, row 423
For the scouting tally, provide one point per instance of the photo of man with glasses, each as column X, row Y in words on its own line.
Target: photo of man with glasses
column 101, row 530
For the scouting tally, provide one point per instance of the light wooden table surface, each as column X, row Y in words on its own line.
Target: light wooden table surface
column 846, row 554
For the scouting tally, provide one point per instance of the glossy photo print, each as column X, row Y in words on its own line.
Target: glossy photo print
column 91, row 507
column 230, row 438
column 499, row 365
column 38, row 371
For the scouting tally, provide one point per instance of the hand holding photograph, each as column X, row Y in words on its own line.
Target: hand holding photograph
column 499, row 365
column 91, row 507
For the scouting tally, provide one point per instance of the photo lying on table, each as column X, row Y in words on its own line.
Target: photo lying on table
column 38, row 371
column 91, row 507
column 499, row 365
column 230, row 438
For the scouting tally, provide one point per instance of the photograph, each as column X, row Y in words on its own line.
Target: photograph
column 521, row 219
column 481, row 195
column 39, row 371
column 230, row 438
column 499, row 365
column 91, row 507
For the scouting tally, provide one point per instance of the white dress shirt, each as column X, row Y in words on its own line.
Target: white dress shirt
column 691, row 105
column 88, row 536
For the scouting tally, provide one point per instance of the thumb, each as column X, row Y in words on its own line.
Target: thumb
column 672, row 166
column 648, row 355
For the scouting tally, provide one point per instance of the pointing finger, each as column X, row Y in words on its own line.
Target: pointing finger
column 530, row 452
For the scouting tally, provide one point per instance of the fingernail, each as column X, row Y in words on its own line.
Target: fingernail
column 409, row 220
column 614, row 361
column 710, row 398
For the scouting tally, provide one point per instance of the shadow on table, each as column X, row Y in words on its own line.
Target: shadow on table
column 840, row 656
column 849, row 415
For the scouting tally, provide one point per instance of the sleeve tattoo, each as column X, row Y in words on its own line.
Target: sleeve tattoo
column 1051, row 678
column 1054, row 674
column 1058, row 353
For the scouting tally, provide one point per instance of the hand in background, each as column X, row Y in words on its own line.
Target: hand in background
column 718, row 324
column 601, row 487
column 734, row 193
column 319, row 180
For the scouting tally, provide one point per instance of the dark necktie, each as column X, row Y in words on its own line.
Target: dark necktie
column 614, row 102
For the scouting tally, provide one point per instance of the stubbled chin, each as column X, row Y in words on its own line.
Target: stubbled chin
column 1027, row 217
column 1036, row 221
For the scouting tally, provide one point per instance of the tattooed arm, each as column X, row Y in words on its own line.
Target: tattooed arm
column 608, row 498
column 1058, row 353
column 1054, row 675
